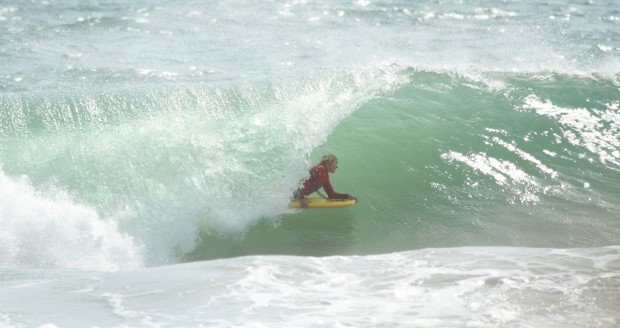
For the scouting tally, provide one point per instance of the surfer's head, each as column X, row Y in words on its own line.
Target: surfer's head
column 330, row 161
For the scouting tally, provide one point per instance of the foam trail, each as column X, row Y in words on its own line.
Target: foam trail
column 511, row 147
column 502, row 171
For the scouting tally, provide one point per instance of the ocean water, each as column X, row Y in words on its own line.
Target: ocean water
column 148, row 150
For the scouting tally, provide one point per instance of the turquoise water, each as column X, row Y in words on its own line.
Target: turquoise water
column 137, row 137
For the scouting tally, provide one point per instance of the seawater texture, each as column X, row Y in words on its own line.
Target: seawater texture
column 482, row 139
column 468, row 286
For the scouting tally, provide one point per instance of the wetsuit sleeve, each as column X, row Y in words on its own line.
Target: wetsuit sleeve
column 331, row 193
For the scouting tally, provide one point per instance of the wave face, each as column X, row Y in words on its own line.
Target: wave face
column 436, row 159
column 445, row 160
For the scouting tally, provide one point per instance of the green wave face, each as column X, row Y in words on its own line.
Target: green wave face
column 448, row 161
column 436, row 159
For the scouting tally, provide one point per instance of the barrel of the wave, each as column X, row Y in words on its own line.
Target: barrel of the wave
column 325, row 203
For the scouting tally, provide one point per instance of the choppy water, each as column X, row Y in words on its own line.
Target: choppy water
column 482, row 139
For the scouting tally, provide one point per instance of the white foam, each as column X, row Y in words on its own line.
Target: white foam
column 501, row 171
column 41, row 231
column 504, row 173
column 451, row 287
column 513, row 148
column 597, row 131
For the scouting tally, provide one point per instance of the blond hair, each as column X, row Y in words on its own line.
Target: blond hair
column 328, row 158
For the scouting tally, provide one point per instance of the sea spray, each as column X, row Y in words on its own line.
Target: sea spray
column 168, row 163
column 49, row 230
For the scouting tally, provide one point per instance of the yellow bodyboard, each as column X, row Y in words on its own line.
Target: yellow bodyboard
column 324, row 203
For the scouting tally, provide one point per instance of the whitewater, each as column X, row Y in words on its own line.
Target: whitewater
column 148, row 151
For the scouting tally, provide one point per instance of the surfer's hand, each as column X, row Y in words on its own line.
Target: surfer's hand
column 303, row 202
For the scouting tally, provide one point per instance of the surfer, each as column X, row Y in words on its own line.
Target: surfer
column 319, row 177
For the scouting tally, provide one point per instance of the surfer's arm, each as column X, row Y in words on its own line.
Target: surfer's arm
column 327, row 186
